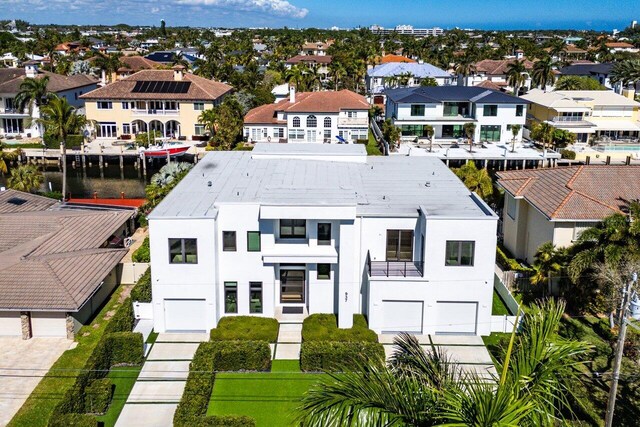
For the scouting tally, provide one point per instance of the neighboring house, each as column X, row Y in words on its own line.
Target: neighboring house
column 394, row 58
column 313, row 117
column 133, row 64
column 318, row 63
column 316, row 49
column 556, row 205
column 615, row 47
column 402, row 74
column 495, row 71
column 57, row 271
column 167, row 57
column 300, row 229
column 407, row 30
column 601, row 113
column 599, row 72
column 448, row 108
column 167, row 101
column 14, row 121
column 9, row 60
column 570, row 52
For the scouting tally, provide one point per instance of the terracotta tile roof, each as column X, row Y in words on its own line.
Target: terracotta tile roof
column 317, row 45
column 583, row 193
column 488, row 84
column 318, row 59
column 200, row 89
column 10, row 81
column 498, row 66
column 137, row 63
column 624, row 45
column 308, row 102
column 395, row 58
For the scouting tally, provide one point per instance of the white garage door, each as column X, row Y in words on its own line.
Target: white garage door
column 457, row 318
column 402, row 316
column 185, row 315
column 48, row 324
column 10, row 323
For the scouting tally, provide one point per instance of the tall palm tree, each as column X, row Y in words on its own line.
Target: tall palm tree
column 469, row 131
column 476, row 180
column 60, row 119
column 425, row 388
column 515, row 130
column 516, row 76
column 6, row 157
column 547, row 262
column 25, row 178
column 109, row 64
column 465, row 67
column 543, row 132
column 542, row 74
column 626, row 72
column 295, row 75
column 33, row 93
column 429, row 131
column 209, row 119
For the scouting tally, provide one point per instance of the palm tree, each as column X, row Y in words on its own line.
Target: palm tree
column 469, row 131
column 109, row 64
column 516, row 76
column 209, row 119
column 337, row 72
column 542, row 74
column 543, row 132
column 179, row 59
column 60, row 119
column 515, row 130
column 25, row 178
column 476, row 180
column 429, row 131
column 33, row 92
column 547, row 262
column 425, row 388
column 626, row 72
column 465, row 67
column 295, row 75
column 6, row 157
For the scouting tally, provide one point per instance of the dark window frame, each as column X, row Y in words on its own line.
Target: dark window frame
column 323, row 276
column 256, row 287
column 418, row 110
column 293, row 226
column 490, row 108
column 230, row 288
column 249, row 233
column 228, row 248
column 460, row 252
column 324, row 241
column 401, row 237
column 183, row 250
column 519, row 110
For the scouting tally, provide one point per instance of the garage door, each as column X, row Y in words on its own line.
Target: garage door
column 10, row 323
column 402, row 316
column 48, row 324
column 457, row 317
column 185, row 315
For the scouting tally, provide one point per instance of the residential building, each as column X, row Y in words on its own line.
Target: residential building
column 167, row 101
column 396, row 74
column 597, row 113
column 599, row 72
column 448, row 108
column 57, row 271
column 570, row 52
column 133, row 64
column 495, row 71
column 279, row 231
column 167, row 57
column 394, row 58
column 316, row 49
column 314, row 117
column 557, row 205
column 317, row 63
column 407, row 30
column 15, row 121
column 615, row 47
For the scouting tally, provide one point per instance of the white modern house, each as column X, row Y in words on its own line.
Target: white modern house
column 397, row 74
column 310, row 117
column 302, row 229
column 448, row 108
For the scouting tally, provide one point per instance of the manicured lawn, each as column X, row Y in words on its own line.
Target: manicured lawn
column 324, row 327
column 498, row 306
column 270, row 397
column 123, row 378
column 244, row 328
column 37, row 409
column 372, row 146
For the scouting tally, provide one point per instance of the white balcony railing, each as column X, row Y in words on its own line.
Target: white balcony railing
column 350, row 121
column 15, row 111
column 153, row 112
column 568, row 119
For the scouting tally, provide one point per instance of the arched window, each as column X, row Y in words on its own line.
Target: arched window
column 312, row 122
column 327, row 122
column 296, row 122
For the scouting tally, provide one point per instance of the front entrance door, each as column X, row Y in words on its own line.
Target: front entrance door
column 292, row 286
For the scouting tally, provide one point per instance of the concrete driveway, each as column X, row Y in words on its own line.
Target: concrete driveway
column 23, row 363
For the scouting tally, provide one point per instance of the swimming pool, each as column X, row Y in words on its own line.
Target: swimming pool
column 619, row 147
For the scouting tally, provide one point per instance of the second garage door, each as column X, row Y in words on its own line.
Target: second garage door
column 402, row 316
column 48, row 324
column 185, row 315
column 457, row 318
column 10, row 323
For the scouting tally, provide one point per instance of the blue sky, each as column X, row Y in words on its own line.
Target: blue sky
column 485, row 14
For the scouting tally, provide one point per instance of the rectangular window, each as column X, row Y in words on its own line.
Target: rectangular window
column 324, row 233
column 230, row 297
column 104, row 105
column 459, row 253
column 490, row 111
column 490, row 133
column 278, row 132
column 126, row 128
column 229, row 241
column 324, row 271
column 183, row 251
column 293, row 229
column 296, row 134
column 125, row 105
column 199, row 130
column 198, row 106
column 417, row 110
column 253, row 241
column 511, row 206
column 327, row 134
column 255, row 297
column 399, row 245
column 519, row 110
column 352, row 114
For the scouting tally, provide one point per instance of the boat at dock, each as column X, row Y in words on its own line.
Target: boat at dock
column 169, row 148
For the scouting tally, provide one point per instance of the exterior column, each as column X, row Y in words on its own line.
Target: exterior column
column 71, row 327
column 25, row 322
column 347, row 290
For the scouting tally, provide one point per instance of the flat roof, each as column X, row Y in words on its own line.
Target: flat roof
column 383, row 186
column 309, row 149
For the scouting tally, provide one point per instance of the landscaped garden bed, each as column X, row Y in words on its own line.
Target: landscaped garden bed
column 251, row 328
column 324, row 327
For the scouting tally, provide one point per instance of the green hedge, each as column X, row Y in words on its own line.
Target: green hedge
column 141, row 292
column 241, row 355
column 142, row 254
column 324, row 327
column 125, row 348
column 98, row 395
column 73, row 141
column 568, row 154
column 123, row 319
column 73, row 420
column 219, row 421
column 197, row 390
column 334, row 356
column 248, row 328
column 508, row 263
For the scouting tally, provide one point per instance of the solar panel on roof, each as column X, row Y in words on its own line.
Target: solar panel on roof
column 160, row 86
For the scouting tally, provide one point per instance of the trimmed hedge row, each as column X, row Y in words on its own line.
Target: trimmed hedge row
column 209, row 358
column 98, row 395
column 324, row 327
column 141, row 292
column 334, row 356
column 143, row 253
column 73, row 420
column 507, row 262
column 250, row 328
column 123, row 319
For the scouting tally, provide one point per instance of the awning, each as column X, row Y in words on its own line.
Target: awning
column 616, row 125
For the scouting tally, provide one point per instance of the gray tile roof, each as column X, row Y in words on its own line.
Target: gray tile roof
column 397, row 68
column 438, row 94
column 12, row 201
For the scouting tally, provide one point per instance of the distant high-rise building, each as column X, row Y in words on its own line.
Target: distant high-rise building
column 634, row 24
column 407, row 30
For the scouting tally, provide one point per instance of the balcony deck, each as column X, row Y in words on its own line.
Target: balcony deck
column 396, row 269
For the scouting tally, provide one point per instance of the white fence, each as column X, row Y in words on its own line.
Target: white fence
column 143, row 310
column 504, row 323
column 131, row 272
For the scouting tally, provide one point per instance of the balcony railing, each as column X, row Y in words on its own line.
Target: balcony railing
column 568, row 118
column 346, row 121
column 152, row 111
column 395, row 268
column 12, row 111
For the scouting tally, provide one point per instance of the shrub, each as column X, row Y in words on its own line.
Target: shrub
column 123, row 319
column 508, row 263
column 316, row 356
column 223, row 421
column 142, row 254
column 98, row 395
column 72, row 420
column 362, row 141
column 141, row 292
column 197, row 390
column 324, row 327
column 249, row 328
column 125, row 348
column 568, row 154
column 241, row 355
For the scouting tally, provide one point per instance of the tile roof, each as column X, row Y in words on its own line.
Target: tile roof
column 200, row 89
column 398, row 68
column 395, row 58
column 438, row 94
column 488, row 84
column 498, row 66
column 137, row 63
column 308, row 102
column 624, row 45
column 12, row 78
column 581, row 193
column 586, row 69
column 317, row 59
column 12, row 201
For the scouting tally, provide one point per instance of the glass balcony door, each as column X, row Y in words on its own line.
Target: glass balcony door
column 292, row 284
column 399, row 245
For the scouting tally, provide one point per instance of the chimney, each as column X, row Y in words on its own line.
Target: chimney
column 292, row 94
column 31, row 71
column 178, row 72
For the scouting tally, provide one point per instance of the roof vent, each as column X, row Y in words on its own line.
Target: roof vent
column 427, row 184
column 209, row 184
column 16, row 201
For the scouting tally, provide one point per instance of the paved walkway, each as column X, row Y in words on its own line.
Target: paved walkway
column 289, row 341
column 155, row 396
column 468, row 351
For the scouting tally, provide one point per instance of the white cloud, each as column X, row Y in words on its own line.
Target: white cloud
column 155, row 10
column 273, row 7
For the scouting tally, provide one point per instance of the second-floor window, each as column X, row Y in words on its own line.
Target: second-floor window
column 183, row 251
column 519, row 110
column 312, row 122
column 352, row 114
column 104, row 105
column 278, row 132
column 399, row 245
column 125, row 105
column 293, row 229
column 490, row 111
column 198, row 106
column 327, row 122
column 229, row 241
column 296, row 122
column 417, row 110
column 253, row 241
column 459, row 253
column 324, row 233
